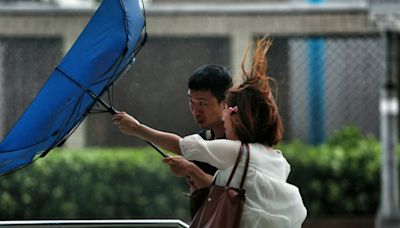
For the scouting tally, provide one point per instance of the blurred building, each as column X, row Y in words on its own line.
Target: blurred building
column 327, row 59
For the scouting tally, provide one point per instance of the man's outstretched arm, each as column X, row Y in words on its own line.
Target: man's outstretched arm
column 130, row 126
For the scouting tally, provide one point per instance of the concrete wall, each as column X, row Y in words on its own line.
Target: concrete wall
column 2, row 100
column 26, row 63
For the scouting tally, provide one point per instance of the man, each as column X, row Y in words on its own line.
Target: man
column 207, row 88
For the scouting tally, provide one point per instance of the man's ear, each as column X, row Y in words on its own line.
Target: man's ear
column 222, row 104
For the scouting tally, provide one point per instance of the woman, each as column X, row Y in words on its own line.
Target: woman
column 251, row 116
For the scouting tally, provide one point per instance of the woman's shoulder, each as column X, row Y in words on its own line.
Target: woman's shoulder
column 269, row 160
column 265, row 150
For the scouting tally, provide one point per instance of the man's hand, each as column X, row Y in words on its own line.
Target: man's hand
column 179, row 165
column 126, row 123
column 196, row 177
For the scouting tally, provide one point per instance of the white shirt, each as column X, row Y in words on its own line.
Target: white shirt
column 270, row 201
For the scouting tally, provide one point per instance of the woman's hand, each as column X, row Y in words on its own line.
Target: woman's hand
column 182, row 167
column 126, row 123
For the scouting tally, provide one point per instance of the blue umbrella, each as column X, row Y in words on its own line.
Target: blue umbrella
column 102, row 53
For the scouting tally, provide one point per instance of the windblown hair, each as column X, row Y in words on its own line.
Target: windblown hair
column 257, row 119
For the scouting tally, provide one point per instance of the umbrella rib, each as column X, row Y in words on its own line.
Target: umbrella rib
column 88, row 91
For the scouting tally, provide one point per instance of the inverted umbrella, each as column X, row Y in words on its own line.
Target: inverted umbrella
column 102, row 53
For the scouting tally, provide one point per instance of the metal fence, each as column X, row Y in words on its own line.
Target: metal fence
column 332, row 82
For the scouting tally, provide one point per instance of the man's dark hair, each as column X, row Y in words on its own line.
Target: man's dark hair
column 211, row 77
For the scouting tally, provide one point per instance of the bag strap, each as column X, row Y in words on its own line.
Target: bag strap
column 246, row 166
column 240, row 154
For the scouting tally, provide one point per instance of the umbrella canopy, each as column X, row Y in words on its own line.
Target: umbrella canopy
column 102, row 53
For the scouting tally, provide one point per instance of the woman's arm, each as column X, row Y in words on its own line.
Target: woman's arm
column 130, row 126
column 220, row 153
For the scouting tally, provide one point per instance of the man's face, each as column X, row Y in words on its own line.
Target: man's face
column 206, row 110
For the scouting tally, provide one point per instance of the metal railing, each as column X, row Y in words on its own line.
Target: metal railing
column 96, row 223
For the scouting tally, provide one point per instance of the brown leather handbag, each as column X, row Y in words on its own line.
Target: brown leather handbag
column 224, row 204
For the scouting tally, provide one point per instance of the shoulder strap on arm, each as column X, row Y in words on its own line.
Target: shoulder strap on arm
column 246, row 166
column 240, row 154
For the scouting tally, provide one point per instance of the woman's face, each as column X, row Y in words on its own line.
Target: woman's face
column 228, row 126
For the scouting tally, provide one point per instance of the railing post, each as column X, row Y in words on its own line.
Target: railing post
column 389, row 213
column 384, row 16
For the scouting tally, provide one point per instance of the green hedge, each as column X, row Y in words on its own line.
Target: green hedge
column 94, row 183
column 340, row 177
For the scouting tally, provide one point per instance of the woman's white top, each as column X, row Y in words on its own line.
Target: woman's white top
column 270, row 201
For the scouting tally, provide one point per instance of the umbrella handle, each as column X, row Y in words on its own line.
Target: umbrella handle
column 113, row 111
column 157, row 149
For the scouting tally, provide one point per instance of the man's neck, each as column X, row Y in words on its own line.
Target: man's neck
column 219, row 132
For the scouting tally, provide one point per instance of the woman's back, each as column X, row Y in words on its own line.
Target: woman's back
column 270, row 200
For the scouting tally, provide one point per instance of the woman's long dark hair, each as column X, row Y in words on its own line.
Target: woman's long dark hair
column 257, row 118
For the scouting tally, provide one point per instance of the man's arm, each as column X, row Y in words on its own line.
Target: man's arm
column 130, row 126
